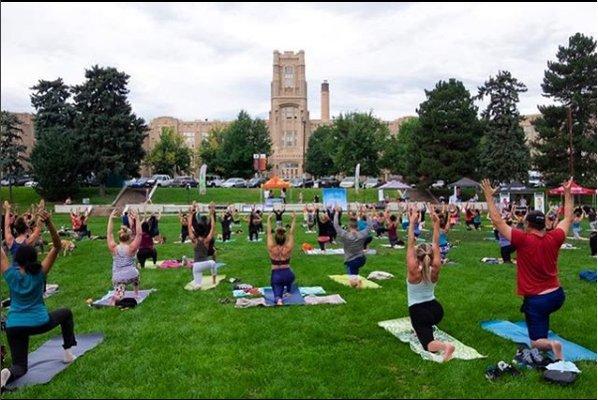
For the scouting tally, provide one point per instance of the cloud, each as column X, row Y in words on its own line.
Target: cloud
column 196, row 61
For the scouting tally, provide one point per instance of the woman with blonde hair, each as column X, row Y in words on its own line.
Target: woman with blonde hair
column 124, row 271
column 280, row 247
column 423, row 269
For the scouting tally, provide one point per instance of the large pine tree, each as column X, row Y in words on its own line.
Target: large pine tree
column 55, row 155
column 446, row 143
column 110, row 135
column 12, row 149
column 504, row 155
column 571, row 82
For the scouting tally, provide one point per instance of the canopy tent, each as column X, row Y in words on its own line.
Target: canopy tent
column 395, row 184
column 575, row 189
column 516, row 188
column 276, row 183
column 464, row 182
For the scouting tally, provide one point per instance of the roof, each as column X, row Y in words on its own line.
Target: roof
column 464, row 182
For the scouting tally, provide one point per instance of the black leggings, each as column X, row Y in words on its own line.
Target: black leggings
column 367, row 241
column 593, row 243
column 18, row 339
column 423, row 318
column 225, row 234
column 253, row 232
column 505, row 253
column 184, row 233
column 144, row 254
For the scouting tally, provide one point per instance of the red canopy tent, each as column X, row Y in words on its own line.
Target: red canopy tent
column 575, row 189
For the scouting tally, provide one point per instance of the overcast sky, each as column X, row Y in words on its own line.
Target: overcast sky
column 196, row 61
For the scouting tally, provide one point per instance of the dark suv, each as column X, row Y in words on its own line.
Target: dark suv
column 302, row 183
column 183, row 181
column 328, row 182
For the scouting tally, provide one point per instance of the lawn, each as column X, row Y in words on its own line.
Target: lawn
column 24, row 196
column 187, row 344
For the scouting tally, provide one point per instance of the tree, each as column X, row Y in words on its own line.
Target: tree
column 319, row 157
column 399, row 155
column 359, row 138
column 110, row 135
column 170, row 155
column 446, row 142
column 243, row 138
column 209, row 153
column 12, row 151
column 55, row 155
column 504, row 155
column 571, row 82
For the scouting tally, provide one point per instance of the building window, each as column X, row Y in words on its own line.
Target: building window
column 189, row 138
column 204, row 136
column 288, row 112
column 289, row 139
column 289, row 80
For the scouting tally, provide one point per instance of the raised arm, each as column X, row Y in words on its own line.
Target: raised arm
column 269, row 238
column 212, row 223
column 36, row 232
column 109, row 232
column 437, row 260
column 8, row 237
column 56, row 244
column 412, row 264
column 341, row 232
column 291, row 236
column 497, row 220
column 568, row 217
column 134, row 246
column 4, row 263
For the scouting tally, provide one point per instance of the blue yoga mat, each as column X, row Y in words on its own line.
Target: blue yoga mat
column 588, row 275
column 294, row 299
column 517, row 332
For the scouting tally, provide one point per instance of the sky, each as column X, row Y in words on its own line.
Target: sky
column 201, row 60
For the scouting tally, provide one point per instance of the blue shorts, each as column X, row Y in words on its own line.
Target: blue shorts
column 354, row 265
column 537, row 310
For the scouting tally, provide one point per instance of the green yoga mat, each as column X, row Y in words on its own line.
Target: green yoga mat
column 206, row 283
column 401, row 328
column 344, row 280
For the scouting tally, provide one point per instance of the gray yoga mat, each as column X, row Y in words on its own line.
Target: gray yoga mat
column 105, row 301
column 47, row 361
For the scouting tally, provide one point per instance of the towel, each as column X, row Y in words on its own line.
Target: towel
column 206, row 283
column 344, row 280
column 380, row 275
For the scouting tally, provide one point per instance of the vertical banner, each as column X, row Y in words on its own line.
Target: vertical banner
column 262, row 163
column 256, row 162
column 202, row 179
column 357, row 177
column 539, row 202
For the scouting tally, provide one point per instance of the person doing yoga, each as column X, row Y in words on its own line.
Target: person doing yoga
column 124, row 271
column 18, row 225
column 146, row 246
column 423, row 270
column 278, row 214
column 353, row 245
column 325, row 229
column 28, row 314
column 537, row 271
column 201, row 236
column 280, row 247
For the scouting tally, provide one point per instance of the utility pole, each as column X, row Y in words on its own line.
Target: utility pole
column 570, row 126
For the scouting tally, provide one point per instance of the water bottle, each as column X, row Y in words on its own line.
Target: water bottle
column 184, row 261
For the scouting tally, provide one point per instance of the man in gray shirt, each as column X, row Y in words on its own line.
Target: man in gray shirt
column 353, row 245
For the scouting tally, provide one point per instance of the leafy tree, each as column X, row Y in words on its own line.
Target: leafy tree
column 170, row 155
column 571, row 82
column 359, row 138
column 209, row 153
column 12, row 151
column 110, row 135
column 243, row 138
column 446, row 143
column 399, row 155
column 55, row 155
column 504, row 155
column 319, row 157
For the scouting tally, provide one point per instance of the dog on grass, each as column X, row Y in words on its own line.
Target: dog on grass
column 67, row 246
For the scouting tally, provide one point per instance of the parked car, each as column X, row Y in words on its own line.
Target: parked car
column 183, row 181
column 372, row 183
column 328, row 182
column 30, row 184
column 255, row 182
column 438, row 184
column 302, row 183
column 348, row 182
column 214, row 180
column 234, row 182
column 158, row 179
column 139, row 183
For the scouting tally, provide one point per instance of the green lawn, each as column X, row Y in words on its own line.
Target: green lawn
column 24, row 196
column 230, row 195
column 186, row 344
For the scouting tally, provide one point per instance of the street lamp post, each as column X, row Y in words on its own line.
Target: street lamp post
column 304, row 137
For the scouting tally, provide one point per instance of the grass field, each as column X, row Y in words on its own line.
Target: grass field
column 24, row 196
column 187, row 344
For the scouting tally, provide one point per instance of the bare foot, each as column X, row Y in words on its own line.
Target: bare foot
column 449, row 349
column 279, row 302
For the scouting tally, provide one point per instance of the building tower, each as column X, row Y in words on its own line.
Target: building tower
column 325, row 95
column 289, row 116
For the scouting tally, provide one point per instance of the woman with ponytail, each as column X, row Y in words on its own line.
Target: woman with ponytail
column 201, row 234
column 28, row 314
column 280, row 247
column 20, row 227
column 423, row 269
column 124, row 271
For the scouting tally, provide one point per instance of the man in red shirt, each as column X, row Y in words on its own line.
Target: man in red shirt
column 537, row 271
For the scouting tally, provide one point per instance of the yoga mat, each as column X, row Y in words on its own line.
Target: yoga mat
column 517, row 332
column 330, row 252
column 206, row 283
column 305, row 291
column 50, row 290
column 344, row 280
column 401, row 328
column 588, row 275
column 228, row 241
column 568, row 246
column 104, row 301
column 47, row 361
column 255, row 241
column 295, row 298
column 397, row 247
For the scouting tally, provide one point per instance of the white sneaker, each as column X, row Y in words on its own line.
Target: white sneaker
column 4, row 376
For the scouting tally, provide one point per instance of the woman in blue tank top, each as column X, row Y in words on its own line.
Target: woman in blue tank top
column 423, row 269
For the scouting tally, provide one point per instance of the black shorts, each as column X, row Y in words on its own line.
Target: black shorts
column 423, row 318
